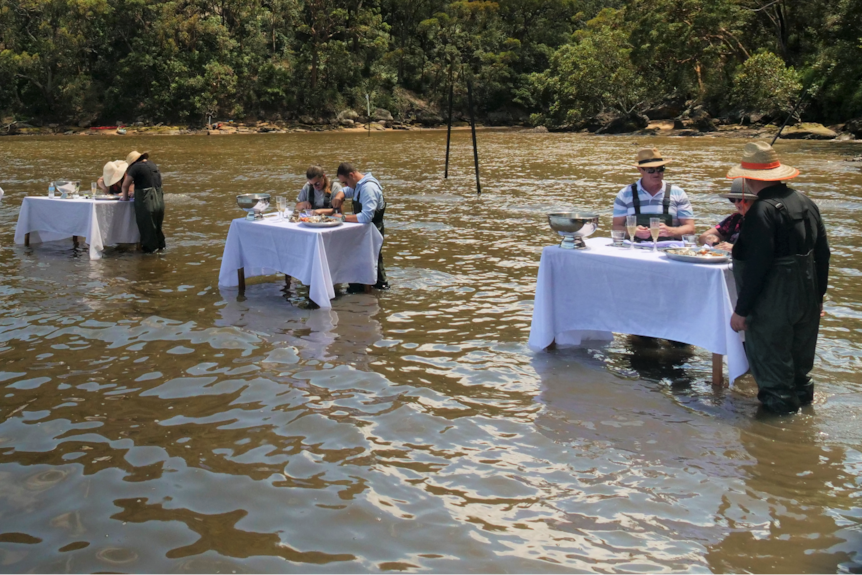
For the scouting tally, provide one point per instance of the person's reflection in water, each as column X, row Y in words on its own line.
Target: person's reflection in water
column 782, row 519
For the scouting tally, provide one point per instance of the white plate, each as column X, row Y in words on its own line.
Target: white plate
column 107, row 197
column 700, row 259
column 322, row 224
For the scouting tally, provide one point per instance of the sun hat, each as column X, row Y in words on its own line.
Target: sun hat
column 736, row 192
column 135, row 156
column 650, row 158
column 760, row 162
column 113, row 172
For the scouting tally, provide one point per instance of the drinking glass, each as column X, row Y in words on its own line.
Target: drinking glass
column 618, row 237
column 93, row 188
column 281, row 205
column 689, row 240
column 654, row 231
column 632, row 228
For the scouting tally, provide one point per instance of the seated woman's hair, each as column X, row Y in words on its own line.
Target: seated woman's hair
column 317, row 172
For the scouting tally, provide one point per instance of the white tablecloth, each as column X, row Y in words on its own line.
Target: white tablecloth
column 586, row 294
column 318, row 257
column 100, row 222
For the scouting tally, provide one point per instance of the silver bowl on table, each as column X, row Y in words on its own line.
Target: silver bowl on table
column 254, row 204
column 574, row 227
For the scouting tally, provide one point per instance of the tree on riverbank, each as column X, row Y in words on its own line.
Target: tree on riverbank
column 101, row 61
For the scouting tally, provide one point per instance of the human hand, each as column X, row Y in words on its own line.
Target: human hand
column 724, row 246
column 822, row 313
column 337, row 201
column 665, row 231
column 737, row 323
column 643, row 232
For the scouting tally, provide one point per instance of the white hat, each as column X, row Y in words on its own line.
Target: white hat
column 113, row 172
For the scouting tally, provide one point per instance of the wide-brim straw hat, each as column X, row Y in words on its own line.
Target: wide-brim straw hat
column 650, row 158
column 760, row 162
column 135, row 156
column 113, row 172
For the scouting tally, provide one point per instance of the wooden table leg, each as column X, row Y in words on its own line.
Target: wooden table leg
column 718, row 369
column 27, row 239
column 240, row 276
column 138, row 247
column 75, row 241
column 368, row 288
column 287, row 280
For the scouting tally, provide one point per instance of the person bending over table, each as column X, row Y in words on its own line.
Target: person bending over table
column 725, row 234
column 149, row 199
column 111, row 181
column 368, row 208
column 652, row 197
column 317, row 193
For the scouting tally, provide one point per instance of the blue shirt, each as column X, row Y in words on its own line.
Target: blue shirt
column 680, row 206
column 370, row 194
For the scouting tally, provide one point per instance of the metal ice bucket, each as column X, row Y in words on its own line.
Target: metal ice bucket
column 254, row 204
column 574, row 227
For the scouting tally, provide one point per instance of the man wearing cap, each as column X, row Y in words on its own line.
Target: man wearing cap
column 149, row 199
column 725, row 233
column 781, row 267
column 652, row 197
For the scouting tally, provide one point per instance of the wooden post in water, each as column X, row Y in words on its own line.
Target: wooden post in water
column 473, row 130
column 449, row 128
column 368, row 109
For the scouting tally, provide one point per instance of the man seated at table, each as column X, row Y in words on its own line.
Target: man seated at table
column 652, row 197
column 368, row 208
column 318, row 192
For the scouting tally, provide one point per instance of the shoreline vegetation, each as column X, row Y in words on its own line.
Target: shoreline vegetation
column 600, row 66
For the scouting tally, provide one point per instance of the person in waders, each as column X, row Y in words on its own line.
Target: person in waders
column 652, row 197
column 149, row 199
column 318, row 192
column 368, row 208
column 781, row 268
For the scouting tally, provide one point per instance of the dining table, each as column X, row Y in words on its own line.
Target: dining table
column 98, row 222
column 319, row 257
column 584, row 296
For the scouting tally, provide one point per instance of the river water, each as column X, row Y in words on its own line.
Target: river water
column 151, row 421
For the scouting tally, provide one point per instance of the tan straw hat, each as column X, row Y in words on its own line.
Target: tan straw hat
column 760, row 162
column 135, row 156
column 113, row 172
column 650, row 158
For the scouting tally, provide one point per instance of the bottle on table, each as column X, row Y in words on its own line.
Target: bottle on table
column 51, row 190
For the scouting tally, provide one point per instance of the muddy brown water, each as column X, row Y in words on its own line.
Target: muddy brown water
column 152, row 421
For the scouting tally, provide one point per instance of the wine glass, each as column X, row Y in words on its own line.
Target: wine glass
column 632, row 228
column 654, row 231
column 281, row 205
column 93, row 190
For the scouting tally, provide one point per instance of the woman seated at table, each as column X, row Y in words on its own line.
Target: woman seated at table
column 111, row 182
column 725, row 234
column 318, row 192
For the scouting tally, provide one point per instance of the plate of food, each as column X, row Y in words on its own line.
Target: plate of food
column 107, row 197
column 704, row 255
column 320, row 221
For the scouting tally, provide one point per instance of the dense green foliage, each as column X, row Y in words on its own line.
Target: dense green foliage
column 99, row 61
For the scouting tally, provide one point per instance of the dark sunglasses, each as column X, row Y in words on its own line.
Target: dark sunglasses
column 659, row 169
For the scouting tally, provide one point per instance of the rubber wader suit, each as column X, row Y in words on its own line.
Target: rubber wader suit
column 377, row 220
column 149, row 214
column 782, row 326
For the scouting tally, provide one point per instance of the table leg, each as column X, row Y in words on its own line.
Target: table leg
column 240, row 276
column 287, row 280
column 718, row 369
column 138, row 247
column 75, row 241
column 368, row 288
column 27, row 239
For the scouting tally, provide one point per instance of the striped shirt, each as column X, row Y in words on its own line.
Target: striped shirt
column 680, row 206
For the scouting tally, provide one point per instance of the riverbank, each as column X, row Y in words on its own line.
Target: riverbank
column 670, row 128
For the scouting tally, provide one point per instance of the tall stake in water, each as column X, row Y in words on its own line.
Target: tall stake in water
column 449, row 128
column 368, row 107
column 473, row 130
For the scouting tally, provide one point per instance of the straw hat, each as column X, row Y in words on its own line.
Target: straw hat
column 135, row 156
column 650, row 158
column 760, row 162
column 113, row 172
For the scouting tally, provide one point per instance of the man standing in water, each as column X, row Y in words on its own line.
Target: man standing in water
column 149, row 199
column 368, row 207
column 781, row 267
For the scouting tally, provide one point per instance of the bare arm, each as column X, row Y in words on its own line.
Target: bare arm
column 127, row 183
column 685, row 227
